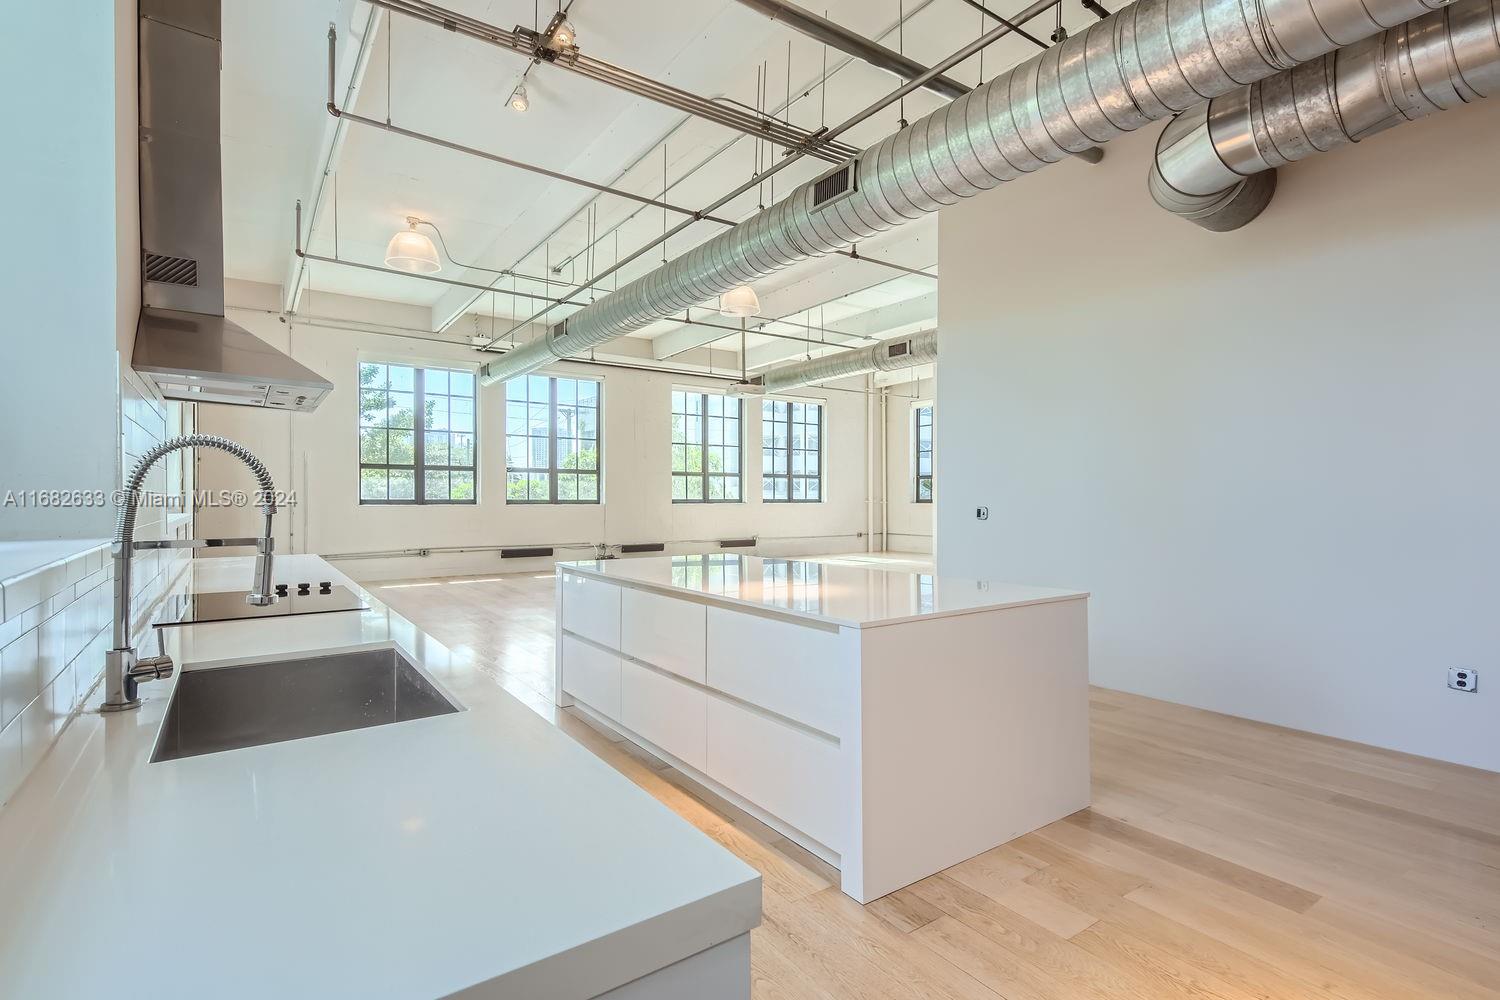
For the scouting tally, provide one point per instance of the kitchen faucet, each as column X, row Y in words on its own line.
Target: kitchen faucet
column 123, row 670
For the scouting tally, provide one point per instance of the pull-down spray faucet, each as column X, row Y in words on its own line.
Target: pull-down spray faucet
column 123, row 669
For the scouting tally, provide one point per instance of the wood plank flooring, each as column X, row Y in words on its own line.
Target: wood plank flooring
column 1222, row 859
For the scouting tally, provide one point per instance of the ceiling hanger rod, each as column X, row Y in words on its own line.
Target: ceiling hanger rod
column 392, row 128
column 346, row 115
column 983, row 41
column 533, row 45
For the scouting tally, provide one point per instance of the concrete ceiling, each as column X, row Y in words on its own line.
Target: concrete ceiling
column 277, row 135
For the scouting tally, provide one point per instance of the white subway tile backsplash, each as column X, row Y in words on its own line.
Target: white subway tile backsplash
column 19, row 676
column 12, row 630
column 58, row 700
column 56, row 621
column 36, row 733
column 51, row 647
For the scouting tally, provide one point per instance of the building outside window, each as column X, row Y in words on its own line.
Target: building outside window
column 922, row 457
column 416, row 435
column 552, row 451
column 706, row 447
column 791, row 451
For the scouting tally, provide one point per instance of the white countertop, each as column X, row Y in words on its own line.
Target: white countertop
column 859, row 595
column 407, row 860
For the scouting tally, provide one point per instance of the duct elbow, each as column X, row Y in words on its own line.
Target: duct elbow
column 1189, row 179
column 1222, row 211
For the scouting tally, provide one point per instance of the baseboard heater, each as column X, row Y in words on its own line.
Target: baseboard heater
column 633, row 547
column 736, row 543
column 524, row 553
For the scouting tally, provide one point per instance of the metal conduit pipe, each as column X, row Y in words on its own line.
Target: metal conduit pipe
column 1144, row 63
column 858, row 46
column 887, row 356
column 1215, row 164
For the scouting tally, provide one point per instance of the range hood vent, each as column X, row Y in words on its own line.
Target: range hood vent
column 184, row 345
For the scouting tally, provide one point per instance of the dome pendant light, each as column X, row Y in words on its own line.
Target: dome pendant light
column 741, row 301
column 412, row 251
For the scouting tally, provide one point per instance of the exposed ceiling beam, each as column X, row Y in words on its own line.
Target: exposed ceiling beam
column 353, row 62
column 882, row 323
column 856, row 45
column 535, row 46
column 813, row 283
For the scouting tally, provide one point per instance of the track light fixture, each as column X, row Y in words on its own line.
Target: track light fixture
column 519, row 102
column 560, row 34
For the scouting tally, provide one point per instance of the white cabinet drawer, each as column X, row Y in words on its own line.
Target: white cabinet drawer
column 591, row 608
column 592, row 675
column 800, row 672
column 663, row 711
column 791, row 774
column 665, row 633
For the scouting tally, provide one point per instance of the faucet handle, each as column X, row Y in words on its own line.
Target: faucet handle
column 152, row 668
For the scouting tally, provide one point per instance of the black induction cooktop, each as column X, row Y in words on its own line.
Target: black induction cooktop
column 291, row 599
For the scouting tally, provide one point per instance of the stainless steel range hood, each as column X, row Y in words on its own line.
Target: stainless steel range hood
column 183, row 343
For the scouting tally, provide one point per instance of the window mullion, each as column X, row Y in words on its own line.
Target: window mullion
column 419, row 435
column 552, row 440
column 790, row 423
column 703, row 446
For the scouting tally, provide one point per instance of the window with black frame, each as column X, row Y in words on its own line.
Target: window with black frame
column 705, row 447
column 791, row 451
column 417, row 442
column 922, row 459
column 552, row 451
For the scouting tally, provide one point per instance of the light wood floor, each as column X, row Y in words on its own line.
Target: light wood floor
column 1222, row 860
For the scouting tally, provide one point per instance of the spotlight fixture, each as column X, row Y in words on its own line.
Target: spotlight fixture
column 412, row 251
column 561, row 34
column 518, row 100
column 741, row 301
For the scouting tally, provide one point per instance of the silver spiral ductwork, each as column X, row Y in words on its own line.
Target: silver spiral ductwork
column 1215, row 164
column 1144, row 63
column 886, row 356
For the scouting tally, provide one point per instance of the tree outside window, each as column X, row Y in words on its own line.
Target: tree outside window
column 552, row 451
column 406, row 460
column 706, row 447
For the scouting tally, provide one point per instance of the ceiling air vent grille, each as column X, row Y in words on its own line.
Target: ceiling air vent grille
column 898, row 349
column 170, row 270
column 837, row 183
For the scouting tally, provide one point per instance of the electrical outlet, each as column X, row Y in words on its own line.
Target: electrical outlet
column 1463, row 679
column 983, row 513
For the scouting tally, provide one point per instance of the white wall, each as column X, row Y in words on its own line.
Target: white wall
column 58, row 265
column 909, row 524
column 315, row 456
column 1270, row 454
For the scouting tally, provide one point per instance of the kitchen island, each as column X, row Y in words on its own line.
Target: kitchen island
column 482, row 853
column 892, row 722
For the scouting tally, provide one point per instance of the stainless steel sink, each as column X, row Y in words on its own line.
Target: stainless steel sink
column 225, row 708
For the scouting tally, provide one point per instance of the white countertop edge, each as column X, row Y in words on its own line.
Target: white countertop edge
column 635, row 951
column 779, row 612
